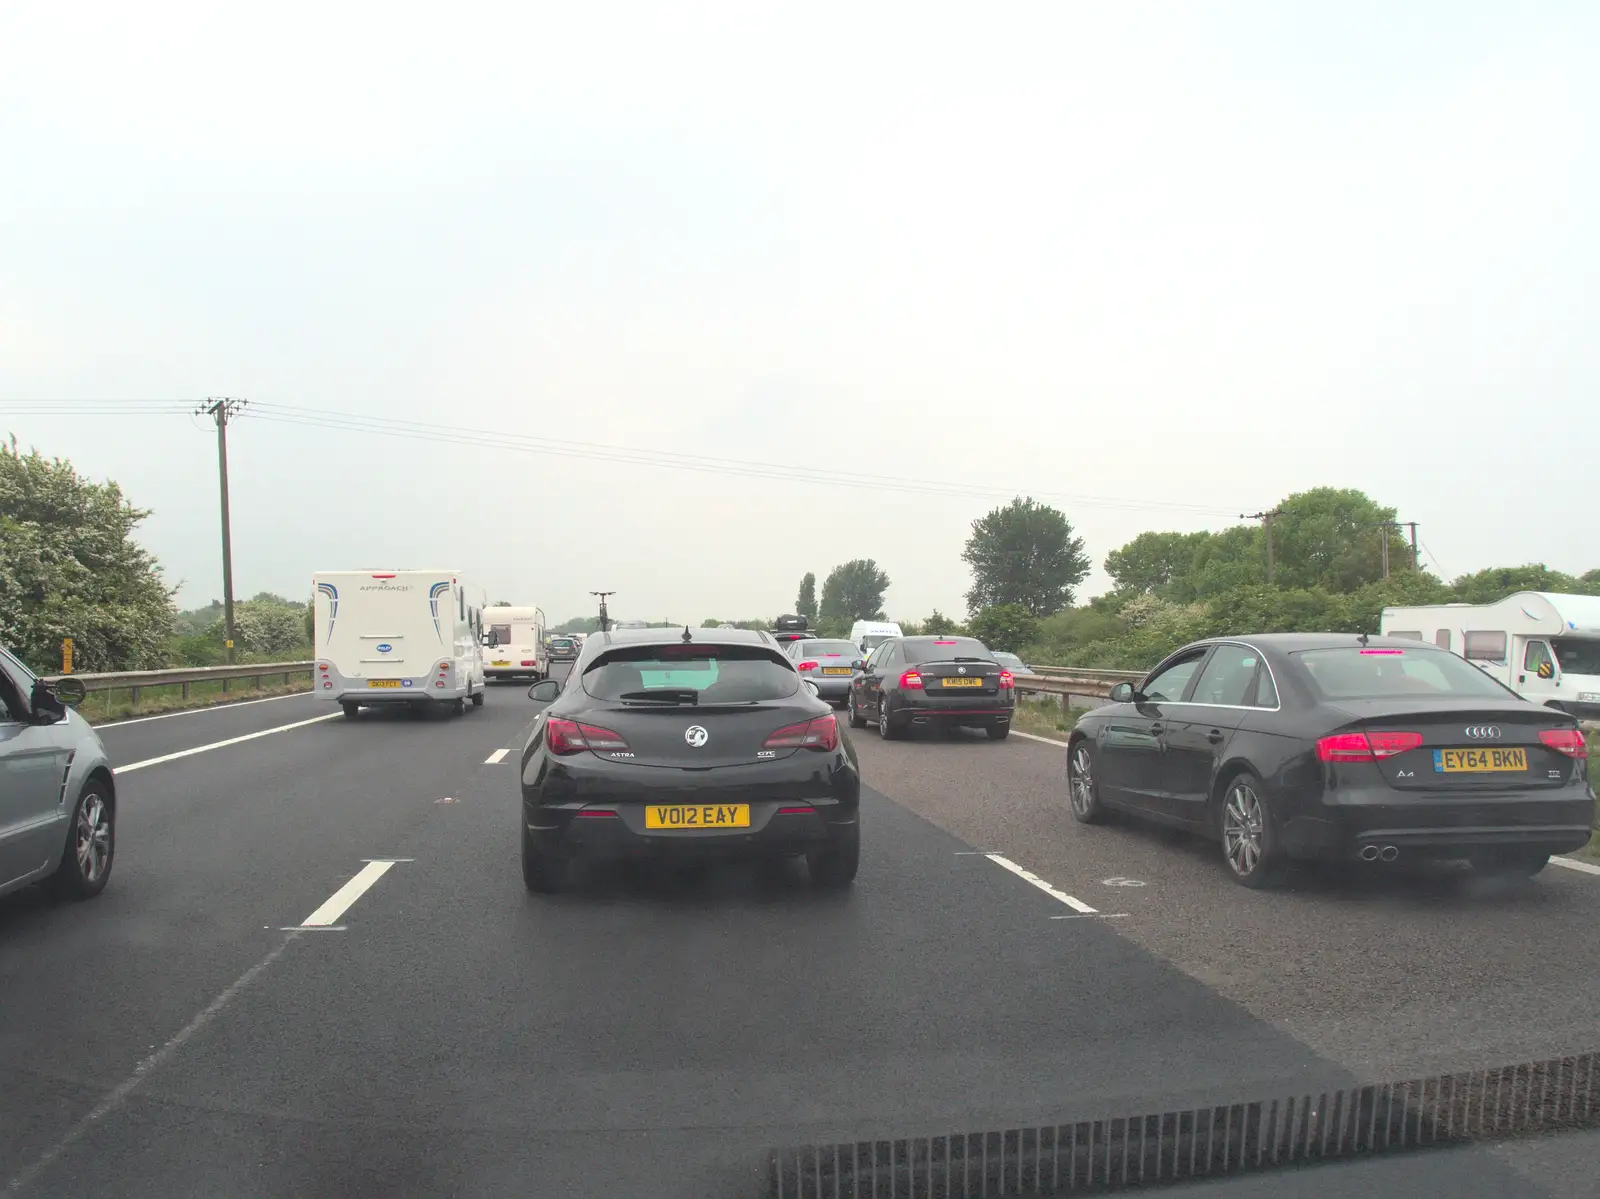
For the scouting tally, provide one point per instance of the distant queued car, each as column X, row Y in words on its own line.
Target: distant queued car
column 699, row 743
column 562, row 648
column 1011, row 662
column 1324, row 745
column 828, row 664
column 57, row 793
column 942, row 682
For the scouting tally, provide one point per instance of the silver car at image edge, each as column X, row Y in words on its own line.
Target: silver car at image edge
column 57, row 792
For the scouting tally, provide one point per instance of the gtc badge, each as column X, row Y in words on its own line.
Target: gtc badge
column 696, row 736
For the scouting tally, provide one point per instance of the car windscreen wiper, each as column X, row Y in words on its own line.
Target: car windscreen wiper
column 665, row 695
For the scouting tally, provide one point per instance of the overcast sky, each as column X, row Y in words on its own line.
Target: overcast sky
column 1157, row 263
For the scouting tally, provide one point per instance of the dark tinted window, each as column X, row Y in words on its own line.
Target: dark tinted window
column 16, row 684
column 1172, row 682
column 1229, row 677
column 720, row 674
column 502, row 633
column 1577, row 656
column 563, row 645
column 943, row 649
column 1266, row 691
column 1393, row 673
column 825, row 649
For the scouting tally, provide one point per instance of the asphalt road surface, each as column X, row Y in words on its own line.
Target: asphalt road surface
column 440, row 1031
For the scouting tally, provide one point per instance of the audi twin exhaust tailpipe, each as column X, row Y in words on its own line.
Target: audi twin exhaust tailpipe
column 1374, row 853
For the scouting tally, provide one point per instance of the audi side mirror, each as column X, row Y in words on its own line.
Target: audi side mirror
column 47, row 708
column 1123, row 693
column 70, row 691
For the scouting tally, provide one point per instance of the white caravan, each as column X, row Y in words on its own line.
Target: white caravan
column 515, row 643
column 398, row 637
column 1544, row 646
column 869, row 634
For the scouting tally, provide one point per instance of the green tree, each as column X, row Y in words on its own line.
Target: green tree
column 938, row 624
column 711, row 622
column 854, row 591
column 1152, row 562
column 69, row 567
column 264, row 627
column 1497, row 582
column 1004, row 627
column 1024, row 553
column 501, row 604
column 1333, row 537
column 806, row 603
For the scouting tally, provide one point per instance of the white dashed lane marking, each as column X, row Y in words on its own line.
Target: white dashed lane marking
column 341, row 900
column 1077, row 905
column 497, row 756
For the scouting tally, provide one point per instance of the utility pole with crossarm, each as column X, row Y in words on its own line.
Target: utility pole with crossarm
column 222, row 409
column 1266, row 520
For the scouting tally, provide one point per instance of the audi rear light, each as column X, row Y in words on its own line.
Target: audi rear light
column 1565, row 741
column 1006, row 680
column 564, row 737
column 1365, row 747
column 806, row 666
column 821, row 734
column 910, row 679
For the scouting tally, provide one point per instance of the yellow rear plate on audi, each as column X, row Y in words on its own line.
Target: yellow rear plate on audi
column 962, row 682
column 383, row 682
column 837, row 670
column 1479, row 761
column 697, row 815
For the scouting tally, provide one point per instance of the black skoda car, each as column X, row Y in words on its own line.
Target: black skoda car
column 942, row 682
column 1368, row 749
column 686, row 743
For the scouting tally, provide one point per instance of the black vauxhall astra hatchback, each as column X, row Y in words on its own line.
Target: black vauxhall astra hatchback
column 686, row 743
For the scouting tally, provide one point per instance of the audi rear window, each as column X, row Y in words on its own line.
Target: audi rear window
column 1384, row 673
column 944, row 649
column 718, row 674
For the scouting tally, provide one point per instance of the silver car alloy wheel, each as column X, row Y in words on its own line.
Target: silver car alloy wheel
column 93, row 843
column 1080, row 780
column 1243, row 826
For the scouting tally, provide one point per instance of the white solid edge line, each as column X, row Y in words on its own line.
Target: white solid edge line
column 1035, row 737
column 227, row 707
column 497, row 756
column 1573, row 864
column 200, row 749
column 339, row 902
column 1077, row 905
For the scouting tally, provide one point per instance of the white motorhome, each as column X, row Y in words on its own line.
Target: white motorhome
column 1544, row 646
column 398, row 637
column 869, row 634
column 515, row 642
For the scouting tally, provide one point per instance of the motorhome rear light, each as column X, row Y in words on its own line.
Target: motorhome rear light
column 440, row 683
column 821, row 734
column 327, row 684
column 1365, row 747
column 806, row 666
column 525, row 662
column 911, row 679
column 1565, row 741
column 387, row 576
column 1006, row 680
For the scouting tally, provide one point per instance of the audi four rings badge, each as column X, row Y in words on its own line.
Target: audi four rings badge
column 1484, row 732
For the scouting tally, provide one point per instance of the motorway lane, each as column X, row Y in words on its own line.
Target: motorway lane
column 152, row 736
column 215, row 852
column 1388, row 972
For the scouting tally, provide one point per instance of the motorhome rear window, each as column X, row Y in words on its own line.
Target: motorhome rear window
column 502, row 633
column 1483, row 645
column 721, row 674
column 1577, row 655
column 1351, row 673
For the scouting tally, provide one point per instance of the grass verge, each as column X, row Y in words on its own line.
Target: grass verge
column 103, row 707
column 1044, row 717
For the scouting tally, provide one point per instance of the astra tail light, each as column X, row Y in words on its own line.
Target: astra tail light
column 806, row 810
column 1006, row 680
column 911, row 679
column 1365, row 747
column 806, row 666
column 564, row 737
column 821, row 734
column 1565, row 741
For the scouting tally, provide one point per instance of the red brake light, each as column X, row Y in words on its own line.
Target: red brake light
column 944, row 642
column 1387, row 653
column 821, row 734
column 1565, row 741
column 563, row 737
column 1365, row 747
column 806, row 666
column 910, row 679
column 1006, row 680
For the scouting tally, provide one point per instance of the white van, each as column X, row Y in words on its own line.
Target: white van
column 398, row 637
column 515, row 646
column 869, row 634
column 1544, row 646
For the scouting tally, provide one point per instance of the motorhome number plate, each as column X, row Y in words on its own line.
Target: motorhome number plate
column 1589, row 697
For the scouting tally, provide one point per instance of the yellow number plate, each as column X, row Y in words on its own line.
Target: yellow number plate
column 962, row 682
column 383, row 682
column 837, row 670
column 699, row 815
column 499, row 662
column 1479, row 761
